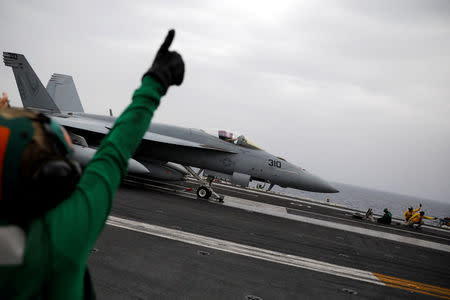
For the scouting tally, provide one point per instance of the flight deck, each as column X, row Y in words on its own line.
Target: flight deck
column 161, row 242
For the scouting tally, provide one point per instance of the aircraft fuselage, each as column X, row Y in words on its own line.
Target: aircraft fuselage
column 235, row 161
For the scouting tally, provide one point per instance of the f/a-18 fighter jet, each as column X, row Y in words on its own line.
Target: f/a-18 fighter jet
column 166, row 152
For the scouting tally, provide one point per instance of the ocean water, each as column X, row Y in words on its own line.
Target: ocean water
column 363, row 198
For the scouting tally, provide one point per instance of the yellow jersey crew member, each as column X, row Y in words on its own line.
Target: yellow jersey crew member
column 410, row 212
column 417, row 219
column 51, row 214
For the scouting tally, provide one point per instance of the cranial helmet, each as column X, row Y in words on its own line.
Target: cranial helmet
column 36, row 172
column 386, row 210
column 410, row 208
column 422, row 213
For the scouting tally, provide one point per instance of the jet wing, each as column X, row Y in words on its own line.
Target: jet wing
column 103, row 127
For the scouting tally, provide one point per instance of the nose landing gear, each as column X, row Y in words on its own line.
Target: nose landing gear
column 204, row 191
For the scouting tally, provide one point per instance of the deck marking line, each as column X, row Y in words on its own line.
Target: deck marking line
column 279, row 211
column 414, row 286
column 249, row 251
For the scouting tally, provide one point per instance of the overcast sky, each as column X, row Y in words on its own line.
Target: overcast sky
column 356, row 92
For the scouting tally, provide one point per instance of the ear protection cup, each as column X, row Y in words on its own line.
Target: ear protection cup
column 60, row 175
column 55, row 169
column 56, row 178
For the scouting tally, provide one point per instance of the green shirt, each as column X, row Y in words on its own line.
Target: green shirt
column 58, row 244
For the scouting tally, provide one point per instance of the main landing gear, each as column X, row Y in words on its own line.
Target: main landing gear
column 204, row 191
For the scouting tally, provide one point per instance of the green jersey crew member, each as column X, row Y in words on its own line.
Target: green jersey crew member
column 385, row 219
column 45, row 203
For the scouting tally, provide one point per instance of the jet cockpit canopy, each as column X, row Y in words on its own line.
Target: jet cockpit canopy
column 237, row 139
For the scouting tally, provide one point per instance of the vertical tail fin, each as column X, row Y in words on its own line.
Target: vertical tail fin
column 32, row 92
column 63, row 91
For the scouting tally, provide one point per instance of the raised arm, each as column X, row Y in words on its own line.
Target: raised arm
column 416, row 210
column 76, row 223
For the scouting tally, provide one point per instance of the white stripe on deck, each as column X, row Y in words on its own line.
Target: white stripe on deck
column 249, row 251
column 279, row 211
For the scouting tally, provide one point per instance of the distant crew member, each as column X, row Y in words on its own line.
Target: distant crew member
column 385, row 219
column 410, row 212
column 260, row 186
column 417, row 219
column 50, row 214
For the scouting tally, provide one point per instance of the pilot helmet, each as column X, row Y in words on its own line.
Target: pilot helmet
column 36, row 169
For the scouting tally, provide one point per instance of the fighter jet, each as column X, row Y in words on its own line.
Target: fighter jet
column 166, row 152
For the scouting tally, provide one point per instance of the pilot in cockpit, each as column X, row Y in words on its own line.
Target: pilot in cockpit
column 226, row 136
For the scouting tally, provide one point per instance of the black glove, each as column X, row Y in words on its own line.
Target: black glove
column 168, row 66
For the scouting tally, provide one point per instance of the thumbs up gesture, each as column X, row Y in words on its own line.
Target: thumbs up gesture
column 168, row 66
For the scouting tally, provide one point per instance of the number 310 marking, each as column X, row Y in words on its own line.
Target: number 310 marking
column 274, row 163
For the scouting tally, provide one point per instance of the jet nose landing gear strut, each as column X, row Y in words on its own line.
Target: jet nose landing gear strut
column 205, row 191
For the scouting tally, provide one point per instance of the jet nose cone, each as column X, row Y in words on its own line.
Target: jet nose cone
column 328, row 189
column 321, row 186
column 312, row 183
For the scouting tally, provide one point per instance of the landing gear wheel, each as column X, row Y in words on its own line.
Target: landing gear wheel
column 203, row 192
